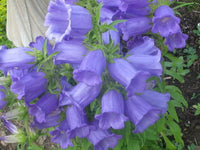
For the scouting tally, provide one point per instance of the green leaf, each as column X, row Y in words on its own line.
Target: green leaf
column 169, row 144
column 172, row 110
column 176, row 131
column 176, row 94
column 133, row 143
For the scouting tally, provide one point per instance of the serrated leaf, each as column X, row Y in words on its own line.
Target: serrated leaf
column 176, row 131
column 172, row 111
column 169, row 144
column 174, row 75
column 160, row 125
column 176, row 94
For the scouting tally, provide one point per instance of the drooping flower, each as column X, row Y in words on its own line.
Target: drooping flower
column 80, row 95
column 43, row 107
column 15, row 57
column 17, row 135
column 110, row 3
column 134, row 81
column 71, row 52
column 145, row 46
column 112, row 114
column 134, row 26
column 149, row 63
column 176, row 40
column 77, row 121
column 17, row 74
column 103, row 139
column 23, row 88
column 2, row 96
column 134, row 3
column 52, row 120
column 156, row 99
column 141, row 113
column 165, row 22
column 67, row 21
column 10, row 126
column 90, row 69
column 13, row 114
column 61, row 135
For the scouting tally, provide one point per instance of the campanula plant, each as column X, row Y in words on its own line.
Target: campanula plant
column 100, row 80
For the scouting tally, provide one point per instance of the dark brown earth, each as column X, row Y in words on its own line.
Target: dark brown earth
column 190, row 123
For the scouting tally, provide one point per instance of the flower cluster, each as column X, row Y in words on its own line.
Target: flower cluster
column 109, row 76
column 167, row 25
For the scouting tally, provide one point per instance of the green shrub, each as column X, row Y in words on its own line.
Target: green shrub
column 3, row 38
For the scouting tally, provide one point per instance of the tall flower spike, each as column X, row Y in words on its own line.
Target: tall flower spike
column 65, row 20
column 44, row 106
column 176, row 40
column 103, row 139
column 141, row 113
column 134, row 81
column 77, row 121
column 2, row 96
column 81, row 95
column 71, row 52
column 23, row 88
column 90, row 69
column 165, row 22
column 112, row 111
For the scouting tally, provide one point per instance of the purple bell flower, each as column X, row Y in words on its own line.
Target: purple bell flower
column 135, row 26
column 23, row 88
column 43, row 107
column 77, row 121
column 156, row 99
column 112, row 111
column 90, row 69
column 135, row 3
column 2, row 96
column 17, row 74
column 103, row 139
column 15, row 57
column 80, row 95
column 165, row 22
column 71, row 52
column 134, row 81
column 10, row 126
column 39, row 43
column 135, row 11
column 144, row 47
column 176, row 40
column 52, row 120
column 141, row 113
column 61, row 136
column 66, row 21
column 110, row 3
column 149, row 63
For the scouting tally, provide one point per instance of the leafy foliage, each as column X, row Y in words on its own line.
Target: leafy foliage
column 3, row 38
